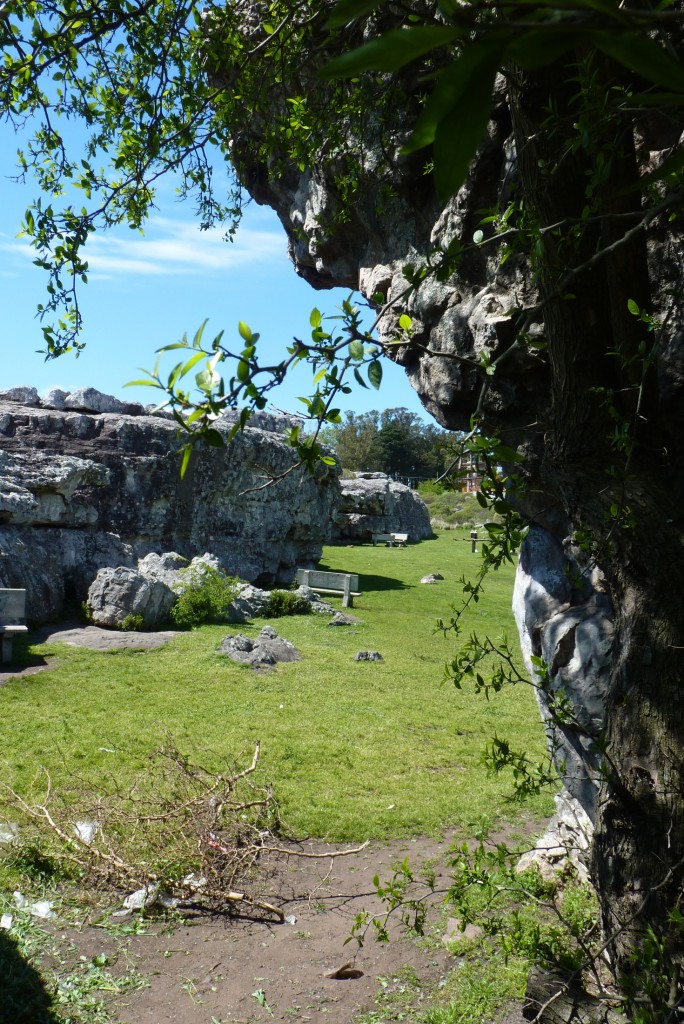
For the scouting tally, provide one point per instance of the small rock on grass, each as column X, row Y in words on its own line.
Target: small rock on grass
column 343, row 619
column 368, row 656
column 454, row 932
column 264, row 651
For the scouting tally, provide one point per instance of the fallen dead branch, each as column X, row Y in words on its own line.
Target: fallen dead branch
column 179, row 831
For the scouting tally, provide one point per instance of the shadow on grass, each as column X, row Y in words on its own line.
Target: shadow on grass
column 368, row 582
column 24, row 661
column 23, row 996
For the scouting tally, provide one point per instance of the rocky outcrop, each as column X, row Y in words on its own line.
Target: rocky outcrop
column 373, row 503
column 565, row 618
column 265, row 651
column 83, row 490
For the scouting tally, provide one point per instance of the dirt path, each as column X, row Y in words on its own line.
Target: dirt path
column 227, row 970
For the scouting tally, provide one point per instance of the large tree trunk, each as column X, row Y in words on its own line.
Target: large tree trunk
column 627, row 502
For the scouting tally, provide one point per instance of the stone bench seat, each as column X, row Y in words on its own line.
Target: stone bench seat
column 390, row 539
column 12, row 612
column 340, row 584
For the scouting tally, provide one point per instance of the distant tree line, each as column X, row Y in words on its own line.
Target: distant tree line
column 394, row 441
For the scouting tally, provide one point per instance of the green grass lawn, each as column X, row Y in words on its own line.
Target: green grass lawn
column 353, row 749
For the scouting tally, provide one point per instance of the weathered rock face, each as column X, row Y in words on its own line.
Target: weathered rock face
column 120, row 593
column 565, row 618
column 372, row 503
column 81, row 491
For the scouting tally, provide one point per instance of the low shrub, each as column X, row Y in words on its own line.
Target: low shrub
column 286, row 602
column 132, row 623
column 205, row 596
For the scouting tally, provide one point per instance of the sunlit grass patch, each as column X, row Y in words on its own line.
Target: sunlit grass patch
column 354, row 749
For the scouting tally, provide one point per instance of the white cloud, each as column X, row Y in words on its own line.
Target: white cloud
column 168, row 247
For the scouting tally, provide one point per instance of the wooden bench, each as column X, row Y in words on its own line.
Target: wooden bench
column 342, row 584
column 12, row 612
column 400, row 539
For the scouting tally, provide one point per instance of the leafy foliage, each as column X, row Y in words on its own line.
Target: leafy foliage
column 204, row 595
column 285, row 602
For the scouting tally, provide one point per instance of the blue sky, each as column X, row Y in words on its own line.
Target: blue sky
column 147, row 291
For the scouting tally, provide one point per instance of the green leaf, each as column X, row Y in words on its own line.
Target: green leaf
column 375, row 373
column 187, row 452
column 390, row 51
column 194, row 416
column 359, row 378
column 206, row 381
column 538, row 48
column 405, row 322
column 346, row 10
column 320, row 375
column 176, row 344
column 315, row 318
column 197, row 340
column 142, row 383
column 458, row 135
column 639, row 53
column 633, row 307
column 670, row 165
column 462, row 98
column 213, row 438
column 356, row 350
column 328, row 460
column 242, row 371
column 245, row 332
column 192, row 361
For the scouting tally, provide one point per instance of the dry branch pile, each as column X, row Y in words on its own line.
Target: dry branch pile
column 180, row 830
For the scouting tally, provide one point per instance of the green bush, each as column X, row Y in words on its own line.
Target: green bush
column 431, row 487
column 134, row 623
column 285, row 602
column 205, row 597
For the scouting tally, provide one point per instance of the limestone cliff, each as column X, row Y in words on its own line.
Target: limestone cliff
column 80, row 490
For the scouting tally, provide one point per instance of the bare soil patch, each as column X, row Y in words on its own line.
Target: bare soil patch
column 210, row 968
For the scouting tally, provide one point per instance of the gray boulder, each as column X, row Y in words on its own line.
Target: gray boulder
column 54, row 398
column 92, row 400
column 23, row 395
column 265, row 651
column 163, row 568
column 249, row 603
column 117, row 594
column 373, row 503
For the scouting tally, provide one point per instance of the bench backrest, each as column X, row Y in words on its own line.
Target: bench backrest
column 331, row 580
column 12, row 606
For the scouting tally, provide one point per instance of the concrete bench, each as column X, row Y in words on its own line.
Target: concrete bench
column 400, row 539
column 12, row 612
column 342, row 584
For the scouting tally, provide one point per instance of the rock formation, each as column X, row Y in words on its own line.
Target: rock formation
column 82, row 490
column 373, row 503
